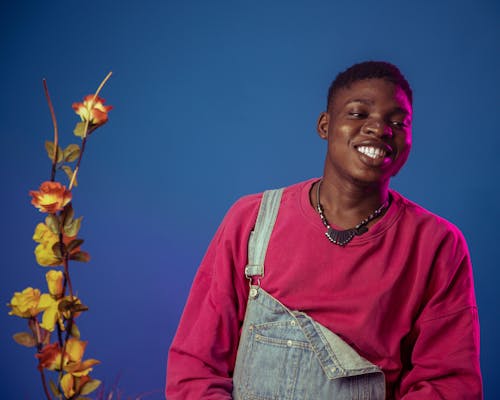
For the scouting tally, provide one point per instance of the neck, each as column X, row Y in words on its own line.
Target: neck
column 345, row 206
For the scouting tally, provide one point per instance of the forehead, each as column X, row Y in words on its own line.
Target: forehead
column 373, row 92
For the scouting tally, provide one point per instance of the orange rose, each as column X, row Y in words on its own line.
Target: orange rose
column 51, row 197
column 50, row 357
column 92, row 110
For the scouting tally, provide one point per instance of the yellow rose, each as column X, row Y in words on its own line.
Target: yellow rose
column 28, row 303
column 68, row 385
column 51, row 316
column 74, row 350
column 43, row 234
column 44, row 254
column 55, row 283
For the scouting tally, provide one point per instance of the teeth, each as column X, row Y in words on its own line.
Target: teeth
column 372, row 152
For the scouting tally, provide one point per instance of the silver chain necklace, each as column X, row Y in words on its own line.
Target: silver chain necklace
column 341, row 238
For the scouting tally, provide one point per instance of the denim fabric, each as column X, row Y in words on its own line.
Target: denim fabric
column 285, row 354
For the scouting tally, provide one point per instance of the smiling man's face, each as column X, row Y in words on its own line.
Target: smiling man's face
column 368, row 128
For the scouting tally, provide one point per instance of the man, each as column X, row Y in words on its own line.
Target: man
column 365, row 294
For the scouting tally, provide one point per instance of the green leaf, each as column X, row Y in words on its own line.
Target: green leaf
column 79, row 129
column 53, row 387
column 25, row 339
column 90, row 386
column 52, row 221
column 73, row 228
column 71, row 153
column 74, row 244
column 75, row 332
column 69, row 173
column 49, row 146
column 81, row 256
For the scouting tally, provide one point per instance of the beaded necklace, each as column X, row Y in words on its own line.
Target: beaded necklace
column 341, row 238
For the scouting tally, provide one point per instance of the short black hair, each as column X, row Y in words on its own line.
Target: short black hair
column 369, row 70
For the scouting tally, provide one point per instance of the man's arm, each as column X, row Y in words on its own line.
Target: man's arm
column 443, row 347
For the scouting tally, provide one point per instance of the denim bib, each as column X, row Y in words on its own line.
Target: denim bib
column 284, row 354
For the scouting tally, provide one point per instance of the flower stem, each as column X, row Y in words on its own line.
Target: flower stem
column 56, row 134
column 39, row 348
column 66, row 275
column 38, row 335
column 44, row 383
column 102, row 84
column 77, row 168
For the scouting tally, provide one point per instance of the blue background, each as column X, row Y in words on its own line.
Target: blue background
column 213, row 100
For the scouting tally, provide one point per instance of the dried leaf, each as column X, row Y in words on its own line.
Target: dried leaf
column 79, row 129
column 59, row 249
column 69, row 173
column 49, row 146
column 25, row 339
column 67, row 305
column 79, row 308
column 53, row 223
column 74, row 244
column 90, row 386
column 68, row 214
column 71, row 153
column 75, row 332
column 73, row 228
column 81, row 256
column 64, row 305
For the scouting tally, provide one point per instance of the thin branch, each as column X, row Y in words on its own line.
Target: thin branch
column 44, row 382
column 39, row 348
column 56, row 132
column 102, row 84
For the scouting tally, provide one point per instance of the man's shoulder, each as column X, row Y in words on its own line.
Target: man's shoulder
column 248, row 205
column 421, row 217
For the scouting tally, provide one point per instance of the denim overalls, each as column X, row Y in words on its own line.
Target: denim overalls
column 286, row 355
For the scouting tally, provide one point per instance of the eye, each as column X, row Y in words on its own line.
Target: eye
column 398, row 124
column 357, row 115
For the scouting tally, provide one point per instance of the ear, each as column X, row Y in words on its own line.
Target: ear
column 322, row 125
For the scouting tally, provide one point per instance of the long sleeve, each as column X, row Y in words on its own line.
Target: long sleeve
column 203, row 352
column 443, row 347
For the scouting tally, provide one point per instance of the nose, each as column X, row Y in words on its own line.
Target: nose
column 377, row 127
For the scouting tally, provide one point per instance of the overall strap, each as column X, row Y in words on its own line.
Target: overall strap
column 259, row 237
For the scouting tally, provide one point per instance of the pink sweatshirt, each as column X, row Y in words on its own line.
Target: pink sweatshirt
column 401, row 294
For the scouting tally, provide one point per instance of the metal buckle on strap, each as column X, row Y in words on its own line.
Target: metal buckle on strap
column 254, row 273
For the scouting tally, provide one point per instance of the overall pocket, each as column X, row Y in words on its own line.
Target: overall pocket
column 274, row 354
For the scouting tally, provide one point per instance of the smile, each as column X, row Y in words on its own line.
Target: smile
column 372, row 152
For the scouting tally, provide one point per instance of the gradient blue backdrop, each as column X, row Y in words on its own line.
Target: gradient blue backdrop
column 213, row 100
